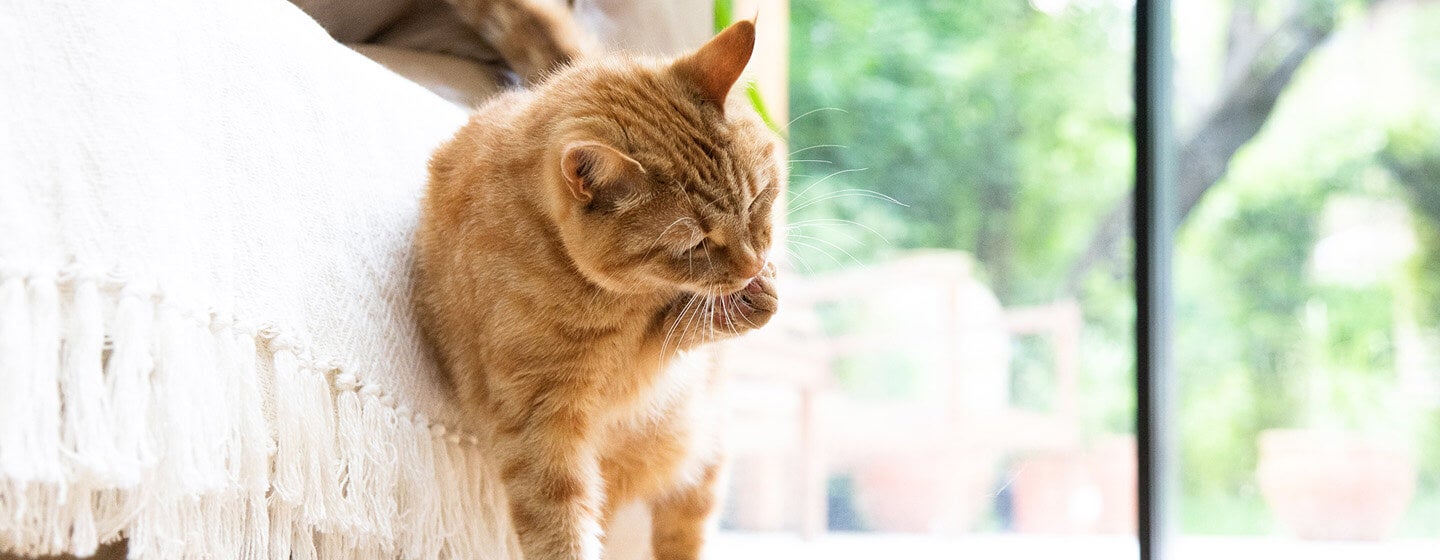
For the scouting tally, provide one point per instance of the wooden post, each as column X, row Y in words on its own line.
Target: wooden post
column 814, row 501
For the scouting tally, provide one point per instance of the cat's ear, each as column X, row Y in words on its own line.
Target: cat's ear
column 598, row 173
column 716, row 67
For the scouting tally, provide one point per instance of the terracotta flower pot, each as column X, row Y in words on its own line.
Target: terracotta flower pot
column 1116, row 472
column 1078, row 492
column 925, row 492
column 1331, row 485
column 1055, row 493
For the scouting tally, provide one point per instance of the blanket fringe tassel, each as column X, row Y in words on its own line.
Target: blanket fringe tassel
column 123, row 415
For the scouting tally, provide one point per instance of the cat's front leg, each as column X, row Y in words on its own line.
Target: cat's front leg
column 552, row 477
column 679, row 518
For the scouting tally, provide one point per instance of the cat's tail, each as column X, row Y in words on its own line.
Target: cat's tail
column 536, row 37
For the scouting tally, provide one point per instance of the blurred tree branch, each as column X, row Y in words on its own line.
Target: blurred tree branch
column 1258, row 68
column 1243, row 36
column 1413, row 157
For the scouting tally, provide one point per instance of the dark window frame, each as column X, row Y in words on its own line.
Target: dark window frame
column 1154, row 226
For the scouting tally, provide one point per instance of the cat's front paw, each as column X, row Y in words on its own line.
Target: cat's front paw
column 751, row 307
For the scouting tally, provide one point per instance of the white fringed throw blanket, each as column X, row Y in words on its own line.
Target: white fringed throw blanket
column 206, row 343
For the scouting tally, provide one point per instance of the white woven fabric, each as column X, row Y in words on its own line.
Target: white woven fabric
column 206, row 345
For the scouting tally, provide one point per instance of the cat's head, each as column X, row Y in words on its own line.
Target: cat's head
column 660, row 179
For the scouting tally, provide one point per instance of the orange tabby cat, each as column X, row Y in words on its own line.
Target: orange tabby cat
column 574, row 239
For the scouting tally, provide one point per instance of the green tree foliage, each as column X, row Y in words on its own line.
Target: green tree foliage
column 1005, row 131
column 1413, row 155
column 1262, row 341
column 1000, row 128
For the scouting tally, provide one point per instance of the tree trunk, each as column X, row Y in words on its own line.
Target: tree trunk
column 1235, row 117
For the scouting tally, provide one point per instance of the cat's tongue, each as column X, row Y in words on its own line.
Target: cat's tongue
column 754, row 286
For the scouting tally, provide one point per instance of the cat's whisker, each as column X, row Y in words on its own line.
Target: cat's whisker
column 858, row 192
column 722, row 314
column 656, row 242
column 826, row 161
column 735, row 304
column 698, row 315
column 798, row 258
column 702, row 320
column 710, row 318
column 679, row 317
column 726, row 303
column 811, row 112
column 594, row 299
column 692, row 304
column 833, row 222
column 706, row 206
column 685, row 308
column 714, row 313
column 798, row 197
column 846, row 193
column 710, row 205
column 708, row 261
column 730, row 308
column 829, row 228
column 827, row 242
column 723, row 308
column 818, row 250
column 818, row 146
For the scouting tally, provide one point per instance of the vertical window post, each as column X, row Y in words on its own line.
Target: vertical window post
column 1154, row 228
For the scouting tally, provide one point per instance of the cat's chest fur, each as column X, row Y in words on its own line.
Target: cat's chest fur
column 599, row 344
column 637, row 387
column 669, row 433
column 656, row 410
column 624, row 372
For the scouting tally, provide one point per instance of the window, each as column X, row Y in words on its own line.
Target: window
column 954, row 370
column 946, row 377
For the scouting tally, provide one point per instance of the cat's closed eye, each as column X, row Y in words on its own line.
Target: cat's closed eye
column 766, row 196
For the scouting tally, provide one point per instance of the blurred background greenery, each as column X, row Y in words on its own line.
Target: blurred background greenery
column 1307, row 273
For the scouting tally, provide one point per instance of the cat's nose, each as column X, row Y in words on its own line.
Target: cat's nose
column 752, row 266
